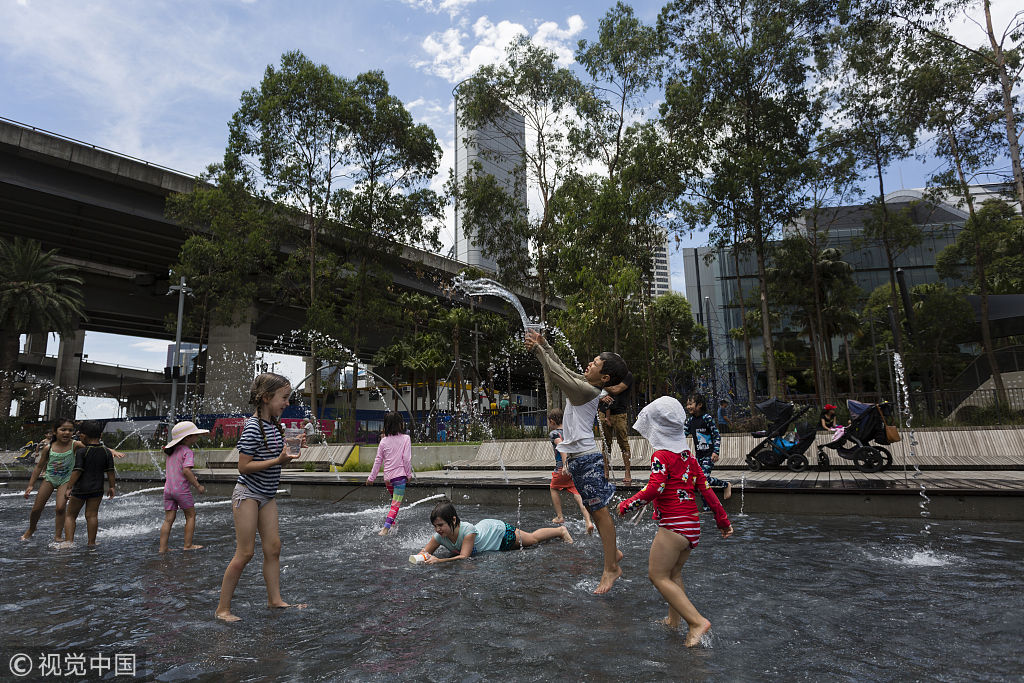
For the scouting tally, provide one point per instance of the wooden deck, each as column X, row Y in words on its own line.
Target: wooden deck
column 947, row 449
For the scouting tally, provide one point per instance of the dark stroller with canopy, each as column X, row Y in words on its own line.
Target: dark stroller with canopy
column 775, row 449
column 867, row 424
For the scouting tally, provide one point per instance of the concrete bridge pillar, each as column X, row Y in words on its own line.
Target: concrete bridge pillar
column 35, row 351
column 231, row 359
column 63, row 398
column 35, row 345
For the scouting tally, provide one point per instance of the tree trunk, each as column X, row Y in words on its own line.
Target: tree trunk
column 822, row 336
column 986, row 333
column 766, row 327
column 979, row 265
column 890, row 262
column 1012, row 139
column 815, row 366
column 849, row 365
column 747, row 361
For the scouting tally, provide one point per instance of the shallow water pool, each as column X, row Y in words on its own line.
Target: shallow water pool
column 794, row 597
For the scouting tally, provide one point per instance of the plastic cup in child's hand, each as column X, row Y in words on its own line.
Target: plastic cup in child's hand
column 293, row 440
column 419, row 558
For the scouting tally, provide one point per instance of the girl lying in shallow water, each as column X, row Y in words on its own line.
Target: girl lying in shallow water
column 464, row 540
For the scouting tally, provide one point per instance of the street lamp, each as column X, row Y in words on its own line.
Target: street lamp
column 182, row 290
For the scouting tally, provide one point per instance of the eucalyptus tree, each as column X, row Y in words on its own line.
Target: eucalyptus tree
column 386, row 202
column 347, row 157
column 809, row 280
column 231, row 253
column 676, row 335
column 967, row 138
column 998, row 59
column 638, row 182
column 528, row 83
column 738, row 106
column 38, row 293
column 876, row 119
column 832, row 187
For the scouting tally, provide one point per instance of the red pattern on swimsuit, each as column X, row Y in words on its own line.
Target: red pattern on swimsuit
column 675, row 480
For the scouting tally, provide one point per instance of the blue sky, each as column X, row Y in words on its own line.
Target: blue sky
column 159, row 80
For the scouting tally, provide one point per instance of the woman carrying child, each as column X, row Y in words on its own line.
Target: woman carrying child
column 676, row 478
column 394, row 453
column 464, row 540
column 261, row 454
column 179, row 481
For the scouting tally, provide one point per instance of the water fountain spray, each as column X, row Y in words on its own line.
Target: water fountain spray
column 903, row 394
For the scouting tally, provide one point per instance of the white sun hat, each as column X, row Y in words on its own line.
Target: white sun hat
column 183, row 429
column 663, row 423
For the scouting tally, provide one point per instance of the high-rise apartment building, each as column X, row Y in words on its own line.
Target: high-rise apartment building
column 498, row 148
column 661, row 280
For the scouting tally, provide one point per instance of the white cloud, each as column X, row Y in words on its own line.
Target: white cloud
column 558, row 40
column 453, row 7
column 452, row 60
column 109, row 57
column 151, row 345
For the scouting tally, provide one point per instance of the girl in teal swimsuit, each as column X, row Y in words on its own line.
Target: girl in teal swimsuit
column 55, row 464
column 58, row 459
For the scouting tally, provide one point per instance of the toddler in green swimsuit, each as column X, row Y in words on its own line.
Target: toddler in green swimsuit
column 56, row 463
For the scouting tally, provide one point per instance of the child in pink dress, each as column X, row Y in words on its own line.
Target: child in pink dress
column 178, row 480
column 394, row 457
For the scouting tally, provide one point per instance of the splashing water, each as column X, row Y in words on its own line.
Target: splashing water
column 135, row 493
column 424, row 500
column 743, row 486
column 486, row 287
column 565, row 340
column 903, row 396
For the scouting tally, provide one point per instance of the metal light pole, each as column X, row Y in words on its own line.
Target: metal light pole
column 181, row 289
column 711, row 350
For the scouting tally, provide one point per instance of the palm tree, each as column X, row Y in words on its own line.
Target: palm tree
column 37, row 294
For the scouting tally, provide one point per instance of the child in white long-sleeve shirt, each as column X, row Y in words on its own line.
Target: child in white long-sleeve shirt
column 582, row 456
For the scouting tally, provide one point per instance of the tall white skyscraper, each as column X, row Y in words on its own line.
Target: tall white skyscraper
column 661, row 281
column 498, row 149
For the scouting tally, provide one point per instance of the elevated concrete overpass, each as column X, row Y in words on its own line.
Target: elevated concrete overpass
column 137, row 390
column 104, row 213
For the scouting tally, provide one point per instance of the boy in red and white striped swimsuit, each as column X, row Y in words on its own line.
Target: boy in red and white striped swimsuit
column 676, row 477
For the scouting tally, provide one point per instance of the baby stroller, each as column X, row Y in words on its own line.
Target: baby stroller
column 29, row 452
column 867, row 424
column 774, row 448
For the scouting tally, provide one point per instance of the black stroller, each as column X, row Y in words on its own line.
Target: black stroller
column 774, row 448
column 867, row 424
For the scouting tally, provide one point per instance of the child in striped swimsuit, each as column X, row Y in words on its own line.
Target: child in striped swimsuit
column 676, row 478
column 261, row 454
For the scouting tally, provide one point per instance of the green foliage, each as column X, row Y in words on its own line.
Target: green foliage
column 530, row 83
column 37, row 294
column 231, row 254
column 739, row 108
column 12, row 432
column 989, row 251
